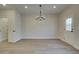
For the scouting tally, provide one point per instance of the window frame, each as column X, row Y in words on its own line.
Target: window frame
column 70, row 29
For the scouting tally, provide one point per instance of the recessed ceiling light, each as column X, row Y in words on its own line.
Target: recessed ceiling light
column 54, row 6
column 4, row 4
column 26, row 7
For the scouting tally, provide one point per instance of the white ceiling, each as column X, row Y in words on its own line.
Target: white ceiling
column 34, row 8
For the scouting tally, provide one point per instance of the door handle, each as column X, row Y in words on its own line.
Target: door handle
column 14, row 31
column 72, row 30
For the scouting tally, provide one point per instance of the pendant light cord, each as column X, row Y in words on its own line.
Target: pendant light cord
column 40, row 11
column 40, row 17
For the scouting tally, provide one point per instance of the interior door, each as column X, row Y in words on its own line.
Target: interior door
column 3, row 29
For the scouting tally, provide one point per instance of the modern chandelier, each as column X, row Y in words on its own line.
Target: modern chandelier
column 40, row 17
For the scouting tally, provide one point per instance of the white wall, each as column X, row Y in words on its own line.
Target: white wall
column 13, row 24
column 70, row 37
column 10, row 14
column 17, row 33
column 33, row 29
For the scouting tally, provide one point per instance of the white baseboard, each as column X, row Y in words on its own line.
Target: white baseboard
column 74, row 46
column 39, row 38
column 14, row 41
column 3, row 40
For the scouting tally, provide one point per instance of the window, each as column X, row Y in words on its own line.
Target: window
column 68, row 24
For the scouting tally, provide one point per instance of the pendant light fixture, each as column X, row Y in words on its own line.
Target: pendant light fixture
column 40, row 17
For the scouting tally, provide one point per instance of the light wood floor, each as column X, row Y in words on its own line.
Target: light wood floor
column 38, row 46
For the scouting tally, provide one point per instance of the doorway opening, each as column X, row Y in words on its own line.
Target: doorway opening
column 3, row 29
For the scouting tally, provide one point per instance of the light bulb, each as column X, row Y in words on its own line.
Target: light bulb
column 54, row 6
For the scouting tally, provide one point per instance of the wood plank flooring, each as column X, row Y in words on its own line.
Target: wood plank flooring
column 33, row 46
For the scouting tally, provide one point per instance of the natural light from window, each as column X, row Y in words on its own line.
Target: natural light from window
column 69, row 24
